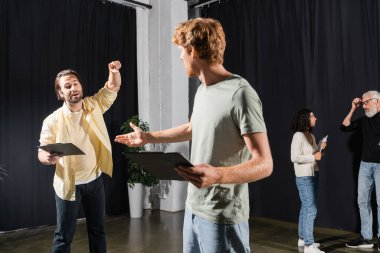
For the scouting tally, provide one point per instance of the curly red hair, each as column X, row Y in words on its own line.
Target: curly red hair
column 206, row 35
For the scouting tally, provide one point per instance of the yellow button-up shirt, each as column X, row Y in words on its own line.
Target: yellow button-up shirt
column 55, row 130
column 85, row 166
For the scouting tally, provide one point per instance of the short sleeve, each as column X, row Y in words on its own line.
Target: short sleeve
column 247, row 111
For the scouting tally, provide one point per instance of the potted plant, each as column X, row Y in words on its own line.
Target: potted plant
column 137, row 176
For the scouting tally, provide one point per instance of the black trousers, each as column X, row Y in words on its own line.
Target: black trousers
column 91, row 196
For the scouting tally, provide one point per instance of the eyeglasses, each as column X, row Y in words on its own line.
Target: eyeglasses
column 367, row 101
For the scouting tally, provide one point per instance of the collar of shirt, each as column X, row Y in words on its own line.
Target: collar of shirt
column 87, row 107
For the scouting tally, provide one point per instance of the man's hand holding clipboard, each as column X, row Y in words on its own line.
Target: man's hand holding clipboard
column 50, row 154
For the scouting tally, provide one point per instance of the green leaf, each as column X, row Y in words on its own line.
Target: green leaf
column 136, row 173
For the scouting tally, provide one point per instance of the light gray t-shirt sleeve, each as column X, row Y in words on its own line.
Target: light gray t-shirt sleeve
column 247, row 111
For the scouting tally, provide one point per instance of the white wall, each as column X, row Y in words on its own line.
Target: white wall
column 163, row 85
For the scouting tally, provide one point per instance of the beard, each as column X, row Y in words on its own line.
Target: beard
column 371, row 112
column 75, row 98
column 192, row 70
column 191, row 73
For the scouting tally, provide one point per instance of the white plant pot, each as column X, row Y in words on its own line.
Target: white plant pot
column 136, row 200
column 173, row 196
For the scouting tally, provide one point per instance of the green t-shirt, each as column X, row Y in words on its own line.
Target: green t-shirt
column 222, row 113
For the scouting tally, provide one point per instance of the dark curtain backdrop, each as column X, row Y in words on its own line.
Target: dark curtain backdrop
column 305, row 53
column 37, row 40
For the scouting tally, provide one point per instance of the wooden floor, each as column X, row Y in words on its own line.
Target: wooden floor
column 161, row 232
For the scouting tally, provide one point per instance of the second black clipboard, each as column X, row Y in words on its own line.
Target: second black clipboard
column 62, row 149
column 160, row 164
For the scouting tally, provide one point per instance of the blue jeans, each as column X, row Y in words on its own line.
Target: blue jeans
column 307, row 188
column 369, row 177
column 202, row 236
column 91, row 195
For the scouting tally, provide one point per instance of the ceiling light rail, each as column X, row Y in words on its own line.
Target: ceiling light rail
column 132, row 3
column 203, row 3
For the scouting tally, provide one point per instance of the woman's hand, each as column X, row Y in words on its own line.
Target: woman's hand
column 318, row 156
column 323, row 145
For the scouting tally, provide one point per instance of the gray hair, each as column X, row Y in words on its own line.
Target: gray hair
column 372, row 93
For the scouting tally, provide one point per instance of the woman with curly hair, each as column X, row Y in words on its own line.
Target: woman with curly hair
column 304, row 155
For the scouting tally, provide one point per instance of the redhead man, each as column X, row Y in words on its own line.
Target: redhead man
column 229, row 144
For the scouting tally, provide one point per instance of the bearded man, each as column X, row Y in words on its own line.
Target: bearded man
column 369, row 171
column 77, row 179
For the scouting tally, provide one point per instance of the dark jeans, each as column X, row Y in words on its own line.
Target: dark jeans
column 91, row 196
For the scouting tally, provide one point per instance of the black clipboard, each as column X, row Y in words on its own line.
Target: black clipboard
column 160, row 164
column 62, row 149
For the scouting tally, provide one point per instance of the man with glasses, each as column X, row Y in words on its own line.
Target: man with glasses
column 369, row 171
